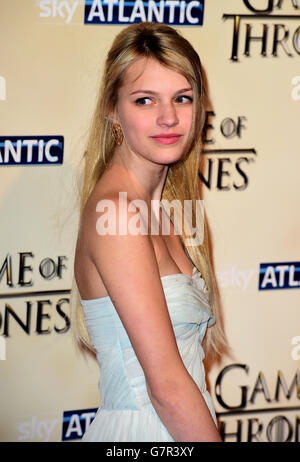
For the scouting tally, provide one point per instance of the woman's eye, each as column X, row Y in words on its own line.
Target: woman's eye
column 143, row 101
column 184, row 99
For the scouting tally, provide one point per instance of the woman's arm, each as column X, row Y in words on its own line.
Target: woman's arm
column 129, row 270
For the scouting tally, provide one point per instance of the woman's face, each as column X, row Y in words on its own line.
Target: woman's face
column 155, row 110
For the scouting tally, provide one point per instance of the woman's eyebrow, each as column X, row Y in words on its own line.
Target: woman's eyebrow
column 150, row 92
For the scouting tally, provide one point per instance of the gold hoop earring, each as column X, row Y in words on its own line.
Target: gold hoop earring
column 117, row 134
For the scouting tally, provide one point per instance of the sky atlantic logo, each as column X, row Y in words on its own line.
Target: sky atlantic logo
column 31, row 150
column 100, row 12
column 37, row 428
column 279, row 276
column 173, row 12
column 76, row 423
column 267, row 30
column 57, row 11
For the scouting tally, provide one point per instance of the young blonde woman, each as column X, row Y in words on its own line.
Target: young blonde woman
column 145, row 301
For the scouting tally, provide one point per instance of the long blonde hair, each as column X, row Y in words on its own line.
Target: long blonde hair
column 169, row 48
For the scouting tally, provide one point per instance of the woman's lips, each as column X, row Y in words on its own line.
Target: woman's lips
column 167, row 139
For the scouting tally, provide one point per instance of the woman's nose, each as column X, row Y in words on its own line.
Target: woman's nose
column 167, row 115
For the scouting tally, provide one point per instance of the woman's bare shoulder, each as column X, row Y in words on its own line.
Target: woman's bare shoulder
column 129, row 270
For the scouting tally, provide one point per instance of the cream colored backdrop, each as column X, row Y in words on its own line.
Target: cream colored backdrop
column 50, row 68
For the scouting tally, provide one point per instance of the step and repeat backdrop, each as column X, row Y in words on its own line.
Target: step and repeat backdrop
column 51, row 58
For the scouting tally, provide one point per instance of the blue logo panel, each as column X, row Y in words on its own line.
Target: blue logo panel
column 279, row 276
column 75, row 423
column 31, row 150
column 179, row 13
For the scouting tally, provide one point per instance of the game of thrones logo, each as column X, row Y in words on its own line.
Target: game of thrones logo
column 263, row 410
column 226, row 169
column 266, row 29
column 32, row 311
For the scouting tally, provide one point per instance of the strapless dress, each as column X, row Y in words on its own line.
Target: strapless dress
column 126, row 413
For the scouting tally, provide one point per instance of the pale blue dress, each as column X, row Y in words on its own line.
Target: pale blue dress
column 126, row 413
